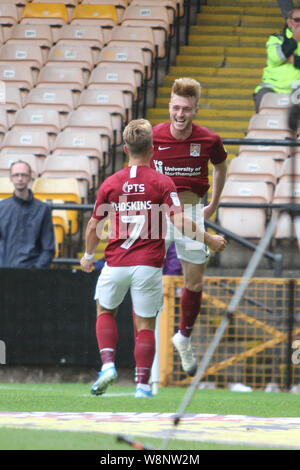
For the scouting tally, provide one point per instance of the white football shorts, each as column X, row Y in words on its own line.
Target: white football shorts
column 145, row 285
column 192, row 251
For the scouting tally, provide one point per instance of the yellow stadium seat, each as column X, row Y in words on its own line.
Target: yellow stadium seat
column 6, row 187
column 54, row 14
column 66, row 189
column 75, row 166
column 102, row 15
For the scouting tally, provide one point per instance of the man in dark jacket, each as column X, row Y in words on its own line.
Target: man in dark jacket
column 26, row 230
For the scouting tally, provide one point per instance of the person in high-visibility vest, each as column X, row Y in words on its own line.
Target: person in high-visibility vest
column 282, row 71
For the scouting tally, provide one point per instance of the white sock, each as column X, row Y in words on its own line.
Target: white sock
column 182, row 339
column 145, row 387
column 107, row 365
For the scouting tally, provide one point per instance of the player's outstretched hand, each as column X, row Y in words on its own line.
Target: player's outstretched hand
column 216, row 242
column 86, row 264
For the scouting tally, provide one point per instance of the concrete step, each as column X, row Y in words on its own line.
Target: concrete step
column 240, row 20
column 212, row 82
column 226, row 71
column 222, row 62
column 224, row 51
column 251, row 10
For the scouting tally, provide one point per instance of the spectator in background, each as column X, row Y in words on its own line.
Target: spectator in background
column 282, row 71
column 26, row 230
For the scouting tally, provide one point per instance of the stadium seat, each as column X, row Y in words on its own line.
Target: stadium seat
column 259, row 124
column 9, row 14
column 117, row 78
column 101, row 15
column 6, row 187
column 125, row 56
column 253, row 169
column 60, row 225
column 60, row 99
column 155, row 17
column 90, row 35
column 28, row 141
column 245, row 222
column 61, row 76
column 45, row 119
column 75, row 166
column 33, row 55
column 112, row 101
column 120, row 5
column 4, row 124
column 278, row 153
column 285, row 192
column 290, row 169
column 53, row 14
column 18, row 74
column 6, row 161
column 78, row 56
column 69, row 142
column 274, row 103
column 93, row 119
column 34, row 34
column 169, row 5
column 13, row 99
column 66, row 189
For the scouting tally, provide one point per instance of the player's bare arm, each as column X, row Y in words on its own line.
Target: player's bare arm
column 219, row 178
column 188, row 227
column 91, row 243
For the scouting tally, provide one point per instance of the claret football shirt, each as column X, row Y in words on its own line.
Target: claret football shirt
column 137, row 200
column 186, row 161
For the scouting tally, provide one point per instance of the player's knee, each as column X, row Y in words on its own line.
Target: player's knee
column 195, row 285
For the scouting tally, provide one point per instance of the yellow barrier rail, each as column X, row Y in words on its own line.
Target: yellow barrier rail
column 256, row 349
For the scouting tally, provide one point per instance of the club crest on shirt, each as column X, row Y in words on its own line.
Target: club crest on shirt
column 195, row 150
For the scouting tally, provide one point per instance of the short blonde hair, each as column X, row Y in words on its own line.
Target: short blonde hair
column 187, row 87
column 137, row 136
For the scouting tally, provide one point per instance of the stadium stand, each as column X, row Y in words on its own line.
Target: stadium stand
column 246, row 222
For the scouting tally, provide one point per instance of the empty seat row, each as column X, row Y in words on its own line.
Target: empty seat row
column 251, row 222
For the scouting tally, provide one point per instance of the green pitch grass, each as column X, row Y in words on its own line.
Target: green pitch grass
column 76, row 398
